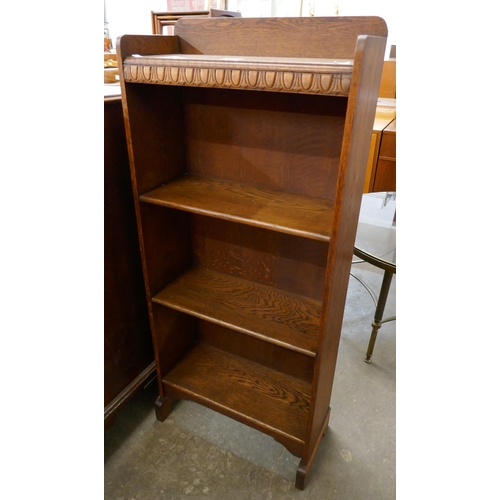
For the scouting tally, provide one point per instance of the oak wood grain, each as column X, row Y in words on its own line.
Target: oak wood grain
column 277, row 210
column 318, row 37
column 265, row 399
column 279, row 260
column 264, row 312
column 279, row 141
column 252, row 63
column 359, row 122
column 254, row 349
column 307, row 76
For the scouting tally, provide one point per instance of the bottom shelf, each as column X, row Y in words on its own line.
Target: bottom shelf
column 272, row 402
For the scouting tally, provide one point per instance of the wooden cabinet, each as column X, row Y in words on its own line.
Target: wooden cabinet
column 384, row 116
column 385, row 176
column 248, row 143
column 128, row 348
column 388, row 80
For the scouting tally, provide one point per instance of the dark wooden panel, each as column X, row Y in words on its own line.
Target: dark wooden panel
column 166, row 239
column 174, row 334
column 156, row 142
column 385, row 178
column 388, row 144
column 128, row 348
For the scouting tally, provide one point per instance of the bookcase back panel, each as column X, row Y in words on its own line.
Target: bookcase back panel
column 329, row 37
column 265, row 353
column 286, row 262
column 279, row 141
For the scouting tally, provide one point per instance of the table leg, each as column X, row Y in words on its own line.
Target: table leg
column 379, row 312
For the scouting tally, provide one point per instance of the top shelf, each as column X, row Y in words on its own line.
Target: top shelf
column 280, row 74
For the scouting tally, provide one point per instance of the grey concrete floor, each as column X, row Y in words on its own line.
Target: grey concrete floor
column 198, row 453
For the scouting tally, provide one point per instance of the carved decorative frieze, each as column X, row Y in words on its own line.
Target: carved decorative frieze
column 327, row 79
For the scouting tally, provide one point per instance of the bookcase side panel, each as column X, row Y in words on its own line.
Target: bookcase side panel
column 166, row 245
column 359, row 122
column 165, row 242
column 156, row 143
column 174, row 334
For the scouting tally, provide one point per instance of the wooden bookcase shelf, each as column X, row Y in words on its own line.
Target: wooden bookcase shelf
column 248, row 143
column 247, row 307
column 253, row 394
column 272, row 209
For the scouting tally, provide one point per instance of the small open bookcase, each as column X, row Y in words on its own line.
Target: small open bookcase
column 248, row 142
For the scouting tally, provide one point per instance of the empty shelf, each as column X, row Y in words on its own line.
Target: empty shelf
column 246, row 391
column 264, row 312
column 276, row 210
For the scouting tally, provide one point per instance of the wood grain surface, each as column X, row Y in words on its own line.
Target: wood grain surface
column 277, row 210
column 258, row 396
column 263, row 312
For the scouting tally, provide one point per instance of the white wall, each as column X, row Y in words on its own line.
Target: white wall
column 131, row 17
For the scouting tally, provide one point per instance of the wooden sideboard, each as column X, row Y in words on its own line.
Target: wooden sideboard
column 128, row 348
column 381, row 168
column 385, row 175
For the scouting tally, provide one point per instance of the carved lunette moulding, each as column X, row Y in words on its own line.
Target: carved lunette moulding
column 332, row 79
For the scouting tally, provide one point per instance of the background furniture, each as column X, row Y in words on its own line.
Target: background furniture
column 381, row 169
column 163, row 22
column 128, row 348
column 376, row 244
column 378, row 173
column 385, row 174
column 388, row 81
column 248, row 144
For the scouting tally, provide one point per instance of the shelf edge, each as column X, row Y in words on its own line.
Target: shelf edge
column 332, row 79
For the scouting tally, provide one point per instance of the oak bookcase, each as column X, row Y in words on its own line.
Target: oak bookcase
column 248, row 142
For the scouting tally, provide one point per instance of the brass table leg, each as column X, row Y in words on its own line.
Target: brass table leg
column 379, row 312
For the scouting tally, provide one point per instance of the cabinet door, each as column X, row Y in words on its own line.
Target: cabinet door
column 385, row 177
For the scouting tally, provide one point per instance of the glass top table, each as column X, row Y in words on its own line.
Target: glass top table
column 376, row 234
column 376, row 244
